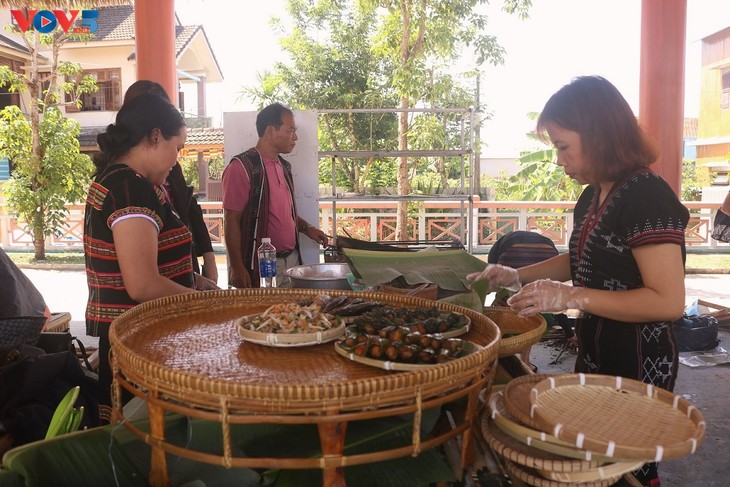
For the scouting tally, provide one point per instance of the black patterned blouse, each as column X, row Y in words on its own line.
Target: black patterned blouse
column 118, row 192
column 641, row 210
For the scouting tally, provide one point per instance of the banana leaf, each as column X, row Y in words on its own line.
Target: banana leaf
column 362, row 437
column 110, row 455
column 60, row 421
column 545, row 155
column 446, row 268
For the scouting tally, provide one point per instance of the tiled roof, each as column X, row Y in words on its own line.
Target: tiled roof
column 87, row 137
column 115, row 24
column 198, row 137
column 7, row 42
column 690, row 128
column 183, row 35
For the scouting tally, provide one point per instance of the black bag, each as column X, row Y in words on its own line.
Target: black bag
column 31, row 389
column 721, row 231
column 696, row 333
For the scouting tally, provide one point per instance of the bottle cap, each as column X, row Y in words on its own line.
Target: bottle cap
column 266, row 240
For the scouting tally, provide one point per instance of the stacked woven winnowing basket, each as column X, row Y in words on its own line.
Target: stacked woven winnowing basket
column 586, row 430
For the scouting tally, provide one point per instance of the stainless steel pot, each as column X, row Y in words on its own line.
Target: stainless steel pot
column 319, row 276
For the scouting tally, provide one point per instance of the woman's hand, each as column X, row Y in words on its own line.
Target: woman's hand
column 545, row 296
column 499, row 276
column 202, row 283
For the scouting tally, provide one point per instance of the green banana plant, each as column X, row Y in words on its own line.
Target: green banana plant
column 66, row 418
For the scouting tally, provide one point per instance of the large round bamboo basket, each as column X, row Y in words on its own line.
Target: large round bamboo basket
column 184, row 354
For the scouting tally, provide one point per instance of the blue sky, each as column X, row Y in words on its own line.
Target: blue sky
column 560, row 40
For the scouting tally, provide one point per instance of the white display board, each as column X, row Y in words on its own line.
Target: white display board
column 239, row 135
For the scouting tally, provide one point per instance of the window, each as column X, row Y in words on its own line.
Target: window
column 725, row 97
column 7, row 97
column 109, row 95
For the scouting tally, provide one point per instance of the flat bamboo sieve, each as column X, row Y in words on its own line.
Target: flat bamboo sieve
column 516, row 451
column 617, row 417
column 517, row 397
column 534, row 438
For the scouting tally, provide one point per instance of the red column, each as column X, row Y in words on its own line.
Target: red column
column 661, row 82
column 155, row 41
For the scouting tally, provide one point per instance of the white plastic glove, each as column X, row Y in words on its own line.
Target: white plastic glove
column 499, row 276
column 545, row 296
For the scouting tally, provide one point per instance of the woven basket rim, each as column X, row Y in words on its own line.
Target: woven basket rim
column 633, row 436
column 388, row 365
column 532, row 477
column 612, row 471
column 516, row 451
column 529, row 335
column 535, row 438
column 352, row 393
column 516, row 397
column 288, row 339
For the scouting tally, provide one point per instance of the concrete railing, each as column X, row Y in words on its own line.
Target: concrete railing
column 374, row 220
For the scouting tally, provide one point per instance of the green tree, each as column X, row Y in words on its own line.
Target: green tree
column 419, row 36
column 48, row 169
column 38, row 195
column 333, row 67
column 386, row 54
column 694, row 179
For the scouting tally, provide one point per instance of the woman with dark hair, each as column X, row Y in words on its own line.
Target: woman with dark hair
column 627, row 249
column 181, row 195
column 136, row 247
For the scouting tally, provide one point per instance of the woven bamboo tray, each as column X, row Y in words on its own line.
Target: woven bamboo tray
column 516, row 451
column 288, row 339
column 532, row 477
column 612, row 472
column 516, row 398
column 535, row 438
column 183, row 354
column 523, row 331
column 618, row 417
column 469, row 348
column 58, row 322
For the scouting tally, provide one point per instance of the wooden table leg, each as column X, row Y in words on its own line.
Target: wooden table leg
column 158, row 464
column 332, row 439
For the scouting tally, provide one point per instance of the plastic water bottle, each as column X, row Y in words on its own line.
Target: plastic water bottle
column 267, row 263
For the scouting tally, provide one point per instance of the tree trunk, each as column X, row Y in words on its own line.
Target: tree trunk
column 39, row 240
column 442, row 173
column 34, row 88
column 404, row 189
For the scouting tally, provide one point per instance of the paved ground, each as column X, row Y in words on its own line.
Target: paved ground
column 706, row 387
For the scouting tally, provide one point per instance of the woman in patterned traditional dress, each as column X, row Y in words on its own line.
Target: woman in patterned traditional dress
column 135, row 245
column 627, row 249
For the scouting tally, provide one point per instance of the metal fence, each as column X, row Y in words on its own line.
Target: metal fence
column 374, row 220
